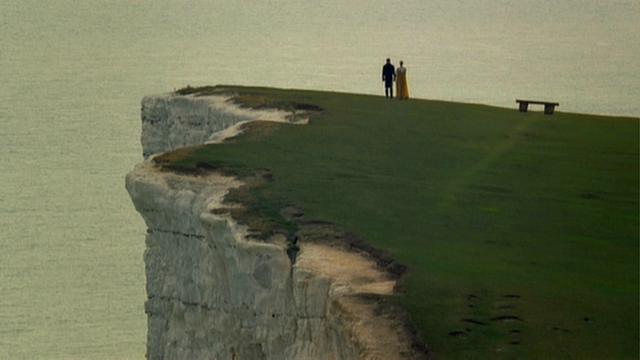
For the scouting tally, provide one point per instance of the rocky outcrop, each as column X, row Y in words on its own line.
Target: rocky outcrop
column 215, row 293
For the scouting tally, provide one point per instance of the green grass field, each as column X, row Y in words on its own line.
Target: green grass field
column 520, row 230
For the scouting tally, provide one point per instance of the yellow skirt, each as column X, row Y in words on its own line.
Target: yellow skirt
column 402, row 89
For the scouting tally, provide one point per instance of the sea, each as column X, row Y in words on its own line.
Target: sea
column 72, row 73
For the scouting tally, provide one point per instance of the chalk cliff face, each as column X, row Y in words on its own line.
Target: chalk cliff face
column 170, row 122
column 214, row 293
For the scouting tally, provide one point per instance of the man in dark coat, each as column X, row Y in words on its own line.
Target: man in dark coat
column 388, row 76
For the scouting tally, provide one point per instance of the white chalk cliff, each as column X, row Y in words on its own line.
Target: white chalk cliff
column 214, row 293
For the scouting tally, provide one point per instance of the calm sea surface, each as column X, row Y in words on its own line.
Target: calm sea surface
column 73, row 72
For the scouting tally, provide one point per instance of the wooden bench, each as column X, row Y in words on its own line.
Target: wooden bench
column 548, row 106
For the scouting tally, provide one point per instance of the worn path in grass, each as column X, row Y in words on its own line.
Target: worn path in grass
column 520, row 230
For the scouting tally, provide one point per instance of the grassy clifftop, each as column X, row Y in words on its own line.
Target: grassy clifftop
column 519, row 230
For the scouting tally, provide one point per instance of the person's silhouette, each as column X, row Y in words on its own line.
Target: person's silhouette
column 402, row 89
column 388, row 76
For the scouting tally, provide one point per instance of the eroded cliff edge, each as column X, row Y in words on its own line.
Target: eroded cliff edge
column 216, row 293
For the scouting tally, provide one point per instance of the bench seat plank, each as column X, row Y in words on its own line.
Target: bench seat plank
column 548, row 106
column 537, row 102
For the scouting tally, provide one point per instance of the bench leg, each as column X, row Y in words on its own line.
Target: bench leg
column 523, row 106
column 548, row 109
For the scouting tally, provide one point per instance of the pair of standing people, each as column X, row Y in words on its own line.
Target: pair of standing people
column 399, row 75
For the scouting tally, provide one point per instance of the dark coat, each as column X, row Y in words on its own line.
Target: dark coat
column 388, row 74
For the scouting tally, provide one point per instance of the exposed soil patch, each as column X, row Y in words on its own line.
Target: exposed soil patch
column 168, row 158
column 473, row 321
column 327, row 233
column 511, row 296
column 307, row 107
column 362, row 290
column 202, row 90
column 506, row 318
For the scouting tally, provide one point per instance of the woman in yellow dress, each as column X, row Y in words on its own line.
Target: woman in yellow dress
column 402, row 89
